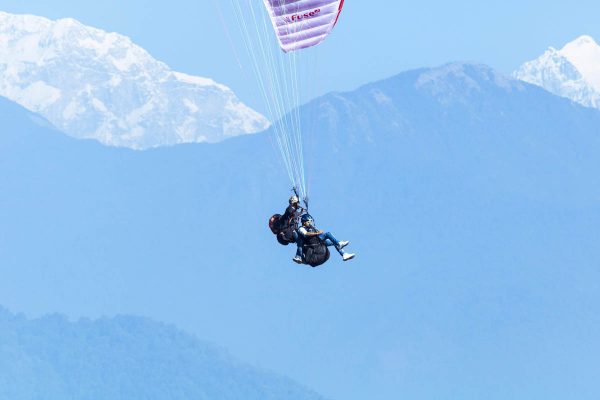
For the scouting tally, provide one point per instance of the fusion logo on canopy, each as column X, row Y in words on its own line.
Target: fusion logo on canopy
column 299, row 17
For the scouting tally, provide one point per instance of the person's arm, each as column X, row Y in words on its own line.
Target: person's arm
column 313, row 234
column 288, row 214
column 293, row 214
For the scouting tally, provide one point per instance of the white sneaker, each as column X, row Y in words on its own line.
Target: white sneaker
column 348, row 256
column 297, row 260
column 343, row 244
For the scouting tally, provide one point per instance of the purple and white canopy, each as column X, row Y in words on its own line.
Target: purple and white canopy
column 303, row 23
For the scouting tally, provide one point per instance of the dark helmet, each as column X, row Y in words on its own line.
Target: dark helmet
column 306, row 218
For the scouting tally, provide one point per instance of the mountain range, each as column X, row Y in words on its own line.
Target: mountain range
column 470, row 198
column 99, row 85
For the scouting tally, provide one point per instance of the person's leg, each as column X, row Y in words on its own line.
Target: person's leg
column 330, row 240
column 346, row 256
column 329, row 236
column 299, row 244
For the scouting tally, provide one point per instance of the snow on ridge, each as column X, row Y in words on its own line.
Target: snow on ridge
column 572, row 72
column 198, row 80
column 100, row 85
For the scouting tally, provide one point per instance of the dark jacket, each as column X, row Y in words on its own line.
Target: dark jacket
column 290, row 215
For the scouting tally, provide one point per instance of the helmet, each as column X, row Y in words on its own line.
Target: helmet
column 294, row 199
column 306, row 218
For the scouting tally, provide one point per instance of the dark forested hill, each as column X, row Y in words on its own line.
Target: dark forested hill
column 123, row 358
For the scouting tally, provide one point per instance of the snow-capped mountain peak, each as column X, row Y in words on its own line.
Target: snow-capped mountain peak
column 95, row 84
column 584, row 54
column 572, row 72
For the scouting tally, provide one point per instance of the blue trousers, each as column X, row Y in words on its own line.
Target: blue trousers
column 330, row 241
column 299, row 243
column 327, row 238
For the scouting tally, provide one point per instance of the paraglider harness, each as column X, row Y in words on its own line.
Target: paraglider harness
column 314, row 250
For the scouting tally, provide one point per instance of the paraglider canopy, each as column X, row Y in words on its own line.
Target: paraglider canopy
column 303, row 23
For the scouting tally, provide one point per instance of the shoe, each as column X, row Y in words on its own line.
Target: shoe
column 343, row 244
column 348, row 256
column 297, row 260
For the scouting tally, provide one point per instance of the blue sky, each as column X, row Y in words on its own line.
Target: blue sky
column 503, row 289
column 375, row 39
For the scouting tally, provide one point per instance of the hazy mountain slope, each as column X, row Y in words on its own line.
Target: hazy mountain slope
column 123, row 358
column 100, row 85
column 471, row 200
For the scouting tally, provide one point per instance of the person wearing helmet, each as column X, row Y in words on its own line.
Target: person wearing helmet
column 292, row 213
column 289, row 221
column 308, row 230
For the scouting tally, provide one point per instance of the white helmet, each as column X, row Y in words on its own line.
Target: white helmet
column 294, row 199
